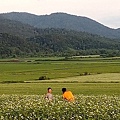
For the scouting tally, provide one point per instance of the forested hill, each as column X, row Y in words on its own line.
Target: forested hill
column 63, row 20
column 16, row 28
column 57, row 42
column 11, row 46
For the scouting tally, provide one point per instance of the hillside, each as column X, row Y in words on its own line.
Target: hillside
column 11, row 46
column 66, row 21
column 16, row 28
column 75, row 43
column 57, row 42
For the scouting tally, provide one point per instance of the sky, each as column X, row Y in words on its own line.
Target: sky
column 106, row 12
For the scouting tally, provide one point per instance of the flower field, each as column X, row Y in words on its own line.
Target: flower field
column 35, row 107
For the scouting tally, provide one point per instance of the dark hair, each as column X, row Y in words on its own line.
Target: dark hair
column 49, row 88
column 63, row 89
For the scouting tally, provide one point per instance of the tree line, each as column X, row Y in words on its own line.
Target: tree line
column 57, row 42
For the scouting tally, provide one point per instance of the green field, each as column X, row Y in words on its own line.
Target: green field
column 88, row 76
column 31, row 71
column 76, row 88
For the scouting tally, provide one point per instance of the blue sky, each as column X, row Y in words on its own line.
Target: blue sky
column 106, row 12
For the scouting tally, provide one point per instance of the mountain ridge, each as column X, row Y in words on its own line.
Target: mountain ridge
column 64, row 20
column 16, row 28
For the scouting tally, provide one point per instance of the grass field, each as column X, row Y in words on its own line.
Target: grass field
column 76, row 88
column 28, row 71
column 84, row 76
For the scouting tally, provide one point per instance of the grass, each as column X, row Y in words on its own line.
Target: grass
column 76, row 88
column 102, row 76
column 24, row 71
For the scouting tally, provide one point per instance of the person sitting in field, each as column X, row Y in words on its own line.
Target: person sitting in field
column 49, row 95
column 67, row 95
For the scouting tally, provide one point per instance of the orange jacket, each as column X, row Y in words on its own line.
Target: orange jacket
column 68, row 96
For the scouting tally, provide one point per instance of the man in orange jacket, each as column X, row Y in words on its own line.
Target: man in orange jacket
column 67, row 95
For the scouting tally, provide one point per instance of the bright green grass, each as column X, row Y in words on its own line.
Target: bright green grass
column 62, row 71
column 76, row 88
column 54, row 69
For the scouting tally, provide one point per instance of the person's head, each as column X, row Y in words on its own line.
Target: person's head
column 49, row 90
column 63, row 90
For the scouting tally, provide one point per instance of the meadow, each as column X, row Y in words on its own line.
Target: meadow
column 95, row 82
column 83, row 76
column 76, row 88
column 31, row 70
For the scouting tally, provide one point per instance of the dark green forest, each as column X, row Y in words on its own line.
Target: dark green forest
column 56, row 42
column 16, row 28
